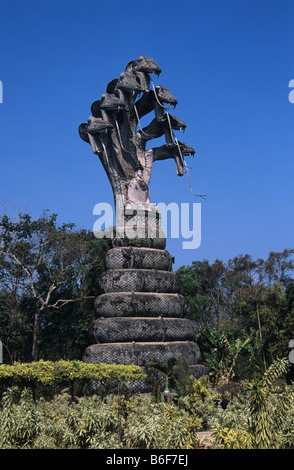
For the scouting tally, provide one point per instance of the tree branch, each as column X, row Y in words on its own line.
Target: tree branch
column 66, row 301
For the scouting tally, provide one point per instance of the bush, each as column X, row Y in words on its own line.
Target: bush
column 259, row 418
column 59, row 423
column 259, row 415
column 93, row 422
column 19, row 424
column 160, row 426
column 47, row 377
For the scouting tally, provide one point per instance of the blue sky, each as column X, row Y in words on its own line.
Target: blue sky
column 228, row 63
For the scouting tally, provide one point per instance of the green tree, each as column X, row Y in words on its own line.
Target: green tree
column 211, row 278
column 287, row 329
column 46, row 267
column 191, row 290
column 259, row 299
column 224, row 353
column 243, row 295
column 15, row 328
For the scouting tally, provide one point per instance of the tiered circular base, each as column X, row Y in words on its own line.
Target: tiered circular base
column 140, row 315
column 139, row 353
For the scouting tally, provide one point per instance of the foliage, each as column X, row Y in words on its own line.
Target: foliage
column 94, row 423
column 241, row 296
column 15, row 327
column 266, row 423
column 159, row 374
column 197, row 301
column 47, row 375
column 57, row 424
column 225, row 351
column 160, row 426
column 257, row 417
column 20, row 424
column 47, row 273
column 196, row 397
column 261, row 418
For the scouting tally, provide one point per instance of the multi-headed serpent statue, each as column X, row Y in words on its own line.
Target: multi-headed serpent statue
column 139, row 314
column 113, row 132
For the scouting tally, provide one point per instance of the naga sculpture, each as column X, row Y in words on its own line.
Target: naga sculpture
column 117, row 137
column 140, row 313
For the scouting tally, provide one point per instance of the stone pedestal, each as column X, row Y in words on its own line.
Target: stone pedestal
column 140, row 315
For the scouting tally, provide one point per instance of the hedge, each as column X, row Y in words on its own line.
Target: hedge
column 63, row 372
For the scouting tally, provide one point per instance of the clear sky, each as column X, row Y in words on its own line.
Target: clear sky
column 229, row 64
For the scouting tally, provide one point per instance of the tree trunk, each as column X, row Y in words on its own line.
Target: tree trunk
column 260, row 335
column 36, row 334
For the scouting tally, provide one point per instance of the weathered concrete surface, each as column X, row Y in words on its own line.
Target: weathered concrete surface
column 116, row 330
column 140, row 304
column 140, row 258
column 157, row 242
column 140, row 353
column 139, row 280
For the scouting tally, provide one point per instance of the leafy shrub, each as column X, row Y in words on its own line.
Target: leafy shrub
column 19, row 424
column 160, row 426
column 47, row 375
column 60, row 423
column 260, row 415
column 262, row 419
column 196, row 397
column 94, row 422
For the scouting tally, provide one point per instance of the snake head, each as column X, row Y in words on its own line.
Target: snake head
column 127, row 82
column 165, row 96
column 146, row 64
